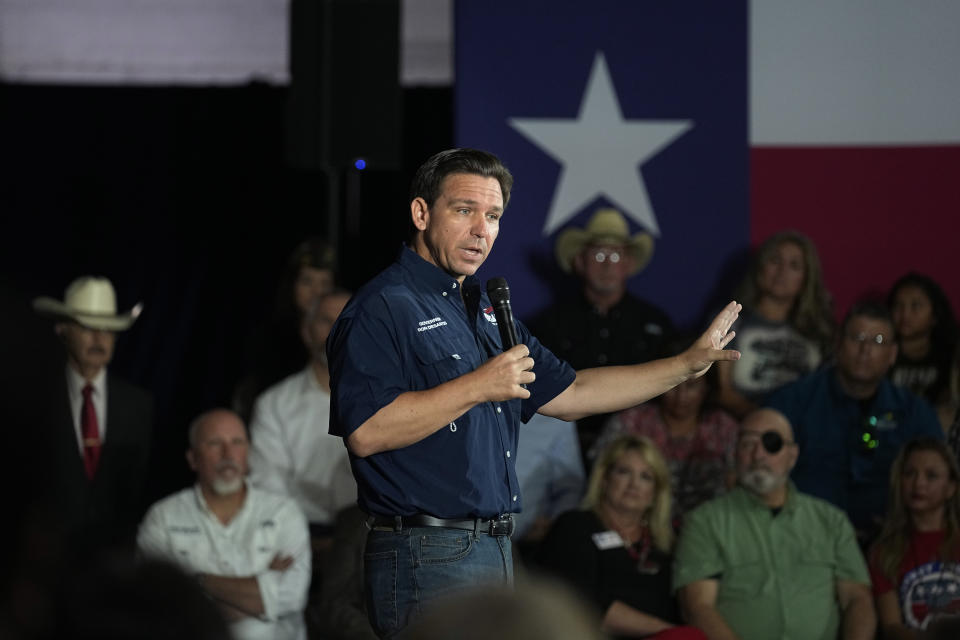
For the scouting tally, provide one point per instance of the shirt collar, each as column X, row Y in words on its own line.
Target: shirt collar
column 883, row 400
column 202, row 503
column 753, row 501
column 432, row 276
column 78, row 382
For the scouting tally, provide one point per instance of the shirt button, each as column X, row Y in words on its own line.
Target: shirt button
column 514, row 498
column 499, row 410
column 453, row 286
column 601, row 358
column 444, row 294
column 508, row 454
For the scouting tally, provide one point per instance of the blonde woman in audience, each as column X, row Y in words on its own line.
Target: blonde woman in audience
column 914, row 563
column 616, row 550
column 786, row 326
column 697, row 439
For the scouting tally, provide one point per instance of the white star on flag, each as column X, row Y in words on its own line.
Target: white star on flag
column 600, row 152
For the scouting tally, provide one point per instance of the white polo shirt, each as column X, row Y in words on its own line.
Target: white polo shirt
column 181, row 528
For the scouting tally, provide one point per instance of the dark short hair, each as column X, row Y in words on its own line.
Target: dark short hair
column 429, row 177
column 872, row 308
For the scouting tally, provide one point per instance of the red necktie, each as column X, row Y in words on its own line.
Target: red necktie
column 90, row 430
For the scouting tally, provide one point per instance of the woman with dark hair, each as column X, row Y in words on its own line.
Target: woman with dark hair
column 309, row 273
column 913, row 564
column 927, row 337
column 697, row 438
column 616, row 550
column 786, row 327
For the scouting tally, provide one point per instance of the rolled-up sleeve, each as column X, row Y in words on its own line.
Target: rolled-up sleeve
column 367, row 372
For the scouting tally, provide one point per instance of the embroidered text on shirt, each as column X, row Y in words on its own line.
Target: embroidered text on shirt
column 432, row 323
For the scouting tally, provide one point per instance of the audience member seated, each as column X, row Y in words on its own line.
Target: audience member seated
column 850, row 420
column 102, row 443
column 292, row 453
column 913, row 564
column 551, row 476
column 697, row 440
column 927, row 336
column 785, row 328
column 602, row 324
column 340, row 612
column 766, row 561
column 277, row 352
column 249, row 549
column 616, row 551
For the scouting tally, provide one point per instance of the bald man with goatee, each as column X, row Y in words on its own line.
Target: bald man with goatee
column 767, row 561
column 249, row 549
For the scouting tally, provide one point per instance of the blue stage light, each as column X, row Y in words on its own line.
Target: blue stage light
column 360, row 164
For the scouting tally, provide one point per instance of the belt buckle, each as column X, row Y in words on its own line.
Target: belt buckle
column 501, row 525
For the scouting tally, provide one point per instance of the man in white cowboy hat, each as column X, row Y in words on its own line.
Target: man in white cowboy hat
column 603, row 324
column 102, row 450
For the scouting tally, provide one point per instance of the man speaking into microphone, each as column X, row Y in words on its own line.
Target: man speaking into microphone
column 429, row 402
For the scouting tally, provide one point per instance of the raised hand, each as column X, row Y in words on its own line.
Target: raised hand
column 709, row 347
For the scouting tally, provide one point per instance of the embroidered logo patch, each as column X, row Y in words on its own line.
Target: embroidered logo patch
column 489, row 315
column 432, row 323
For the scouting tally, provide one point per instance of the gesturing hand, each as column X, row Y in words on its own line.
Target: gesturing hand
column 709, row 347
column 500, row 377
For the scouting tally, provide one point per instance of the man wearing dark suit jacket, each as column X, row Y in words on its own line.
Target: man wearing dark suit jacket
column 101, row 444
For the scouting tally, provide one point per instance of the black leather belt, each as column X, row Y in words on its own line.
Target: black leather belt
column 499, row 526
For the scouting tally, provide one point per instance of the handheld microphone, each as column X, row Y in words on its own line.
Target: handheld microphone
column 499, row 294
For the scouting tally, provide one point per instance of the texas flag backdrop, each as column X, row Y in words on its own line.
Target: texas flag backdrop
column 713, row 125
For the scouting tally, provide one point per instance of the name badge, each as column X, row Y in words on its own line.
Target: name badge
column 607, row 540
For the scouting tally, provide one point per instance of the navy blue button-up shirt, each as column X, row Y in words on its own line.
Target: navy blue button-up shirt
column 828, row 426
column 409, row 329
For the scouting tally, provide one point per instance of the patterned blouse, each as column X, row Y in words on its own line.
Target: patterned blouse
column 699, row 463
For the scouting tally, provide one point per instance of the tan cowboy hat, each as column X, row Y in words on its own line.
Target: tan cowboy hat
column 91, row 302
column 606, row 226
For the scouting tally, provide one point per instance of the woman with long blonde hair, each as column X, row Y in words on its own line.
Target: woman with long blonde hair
column 786, row 327
column 914, row 562
column 616, row 549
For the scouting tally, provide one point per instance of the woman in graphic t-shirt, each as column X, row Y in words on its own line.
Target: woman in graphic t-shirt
column 914, row 563
column 786, row 326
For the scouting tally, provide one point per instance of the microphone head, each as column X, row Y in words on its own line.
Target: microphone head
column 498, row 290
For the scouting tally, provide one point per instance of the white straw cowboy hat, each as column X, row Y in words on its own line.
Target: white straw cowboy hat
column 606, row 226
column 91, row 302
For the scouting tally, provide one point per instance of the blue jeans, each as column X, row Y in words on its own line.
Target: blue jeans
column 405, row 570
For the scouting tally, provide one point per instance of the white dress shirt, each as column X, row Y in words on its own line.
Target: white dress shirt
column 182, row 529
column 75, row 385
column 292, row 452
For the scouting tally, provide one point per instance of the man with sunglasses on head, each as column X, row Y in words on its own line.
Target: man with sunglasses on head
column 768, row 561
column 850, row 420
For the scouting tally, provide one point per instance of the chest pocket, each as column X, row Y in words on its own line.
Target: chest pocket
column 441, row 358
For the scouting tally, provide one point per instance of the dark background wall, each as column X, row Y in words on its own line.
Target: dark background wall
column 183, row 197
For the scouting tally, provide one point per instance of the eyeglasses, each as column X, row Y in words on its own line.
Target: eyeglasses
column 874, row 341
column 603, row 256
